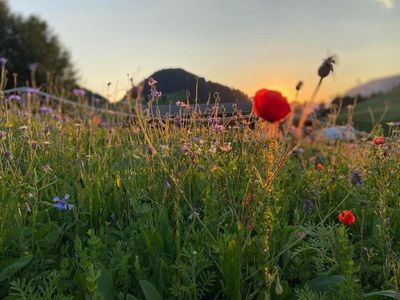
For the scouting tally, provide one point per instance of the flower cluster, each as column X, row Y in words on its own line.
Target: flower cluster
column 154, row 93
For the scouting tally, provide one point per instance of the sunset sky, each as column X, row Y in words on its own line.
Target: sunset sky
column 244, row 44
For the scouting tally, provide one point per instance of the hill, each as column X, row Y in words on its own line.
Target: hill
column 362, row 119
column 178, row 84
column 375, row 86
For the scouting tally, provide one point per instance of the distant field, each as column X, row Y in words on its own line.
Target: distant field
column 362, row 118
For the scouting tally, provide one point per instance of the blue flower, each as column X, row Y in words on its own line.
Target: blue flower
column 62, row 204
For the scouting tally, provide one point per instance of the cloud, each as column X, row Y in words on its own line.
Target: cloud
column 389, row 4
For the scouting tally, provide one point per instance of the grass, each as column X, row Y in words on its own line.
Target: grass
column 384, row 108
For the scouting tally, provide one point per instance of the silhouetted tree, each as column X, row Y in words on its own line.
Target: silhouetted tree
column 28, row 43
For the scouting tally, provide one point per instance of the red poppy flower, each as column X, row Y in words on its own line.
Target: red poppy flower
column 270, row 105
column 347, row 217
column 319, row 167
column 379, row 140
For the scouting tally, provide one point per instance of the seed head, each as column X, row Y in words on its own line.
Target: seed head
column 326, row 67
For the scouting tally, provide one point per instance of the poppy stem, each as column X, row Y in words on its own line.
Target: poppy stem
column 307, row 108
column 272, row 134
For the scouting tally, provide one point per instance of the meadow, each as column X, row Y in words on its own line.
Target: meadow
column 108, row 210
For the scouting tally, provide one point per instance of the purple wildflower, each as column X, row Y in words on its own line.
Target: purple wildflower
column 152, row 82
column 45, row 110
column 356, row 178
column 218, row 128
column 61, row 204
column 155, row 94
column 308, row 205
column 33, row 66
column 178, row 121
column 79, row 92
column 8, row 155
column 32, row 91
column 182, row 104
column 3, row 61
column 13, row 98
column 185, row 149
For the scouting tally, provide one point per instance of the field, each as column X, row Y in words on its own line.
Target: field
column 379, row 109
column 188, row 212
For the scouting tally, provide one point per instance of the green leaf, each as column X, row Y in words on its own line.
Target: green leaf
column 10, row 266
column 326, row 283
column 150, row 290
column 387, row 293
column 104, row 284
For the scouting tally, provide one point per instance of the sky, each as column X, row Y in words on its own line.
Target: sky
column 248, row 45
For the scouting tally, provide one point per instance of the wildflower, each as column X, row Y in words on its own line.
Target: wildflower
column 33, row 66
column 150, row 150
column 45, row 110
column 32, row 91
column 213, row 149
column 218, row 128
column 167, row 185
column 3, row 134
column 153, row 89
column 96, row 120
column 307, row 206
column 27, row 207
column 185, row 149
column 319, row 167
column 3, row 61
column 347, row 217
column 152, row 82
column 79, row 92
column 155, row 94
column 199, row 141
column 355, row 178
column 13, row 98
column 182, row 104
column 46, row 168
column 177, row 121
column 326, row 67
column 225, row 147
column 379, row 140
column 8, row 155
column 298, row 151
column 195, row 214
column 62, row 204
column 271, row 105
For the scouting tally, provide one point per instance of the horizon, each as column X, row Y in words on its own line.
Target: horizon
column 241, row 45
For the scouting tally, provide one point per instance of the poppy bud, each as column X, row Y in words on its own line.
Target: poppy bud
column 326, row 67
column 299, row 85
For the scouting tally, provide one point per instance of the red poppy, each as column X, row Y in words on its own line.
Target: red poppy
column 270, row 105
column 319, row 167
column 379, row 140
column 347, row 217
column 96, row 120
